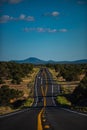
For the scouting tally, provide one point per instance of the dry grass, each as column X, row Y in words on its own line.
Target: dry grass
column 27, row 86
column 54, row 73
column 25, row 81
column 67, row 87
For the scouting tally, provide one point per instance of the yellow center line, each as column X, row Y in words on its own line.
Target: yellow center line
column 39, row 126
column 44, row 93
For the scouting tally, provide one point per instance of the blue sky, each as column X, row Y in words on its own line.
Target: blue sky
column 46, row 29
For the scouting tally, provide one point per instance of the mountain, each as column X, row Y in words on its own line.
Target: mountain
column 31, row 60
column 37, row 61
column 81, row 61
column 34, row 60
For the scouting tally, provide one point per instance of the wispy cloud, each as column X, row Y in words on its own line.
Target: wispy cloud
column 26, row 18
column 5, row 18
column 40, row 29
column 82, row 2
column 22, row 17
column 63, row 30
column 54, row 14
column 10, row 1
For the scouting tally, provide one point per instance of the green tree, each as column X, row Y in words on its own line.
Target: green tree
column 80, row 93
column 6, row 94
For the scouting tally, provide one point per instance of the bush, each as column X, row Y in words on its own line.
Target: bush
column 63, row 100
column 80, row 93
column 7, row 94
column 16, row 78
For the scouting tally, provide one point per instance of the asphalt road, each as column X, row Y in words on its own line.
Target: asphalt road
column 44, row 114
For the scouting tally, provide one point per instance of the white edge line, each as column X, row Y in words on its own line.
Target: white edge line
column 52, row 97
column 83, row 114
column 14, row 113
column 36, row 93
column 41, row 81
column 66, row 108
column 20, row 111
column 52, row 91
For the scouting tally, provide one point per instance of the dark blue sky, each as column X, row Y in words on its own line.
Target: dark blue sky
column 46, row 29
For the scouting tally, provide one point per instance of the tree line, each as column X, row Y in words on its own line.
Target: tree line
column 14, row 71
column 70, row 72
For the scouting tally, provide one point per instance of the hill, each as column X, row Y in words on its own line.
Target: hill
column 37, row 61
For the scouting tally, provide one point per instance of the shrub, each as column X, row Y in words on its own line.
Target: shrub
column 63, row 100
column 6, row 94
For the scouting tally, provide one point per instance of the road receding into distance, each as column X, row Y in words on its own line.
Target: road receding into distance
column 44, row 114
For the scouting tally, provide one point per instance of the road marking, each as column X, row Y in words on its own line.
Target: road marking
column 14, row 113
column 52, row 90
column 43, row 93
column 53, row 97
column 44, row 120
column 83, row 114
column 39, row 126
column 46, row 126
column 58, row 87
column 41, row 81
column 36, row 93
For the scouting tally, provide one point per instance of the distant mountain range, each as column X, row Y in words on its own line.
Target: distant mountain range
column 37, row 61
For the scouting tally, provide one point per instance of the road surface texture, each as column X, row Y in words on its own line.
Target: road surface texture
column 44, row 114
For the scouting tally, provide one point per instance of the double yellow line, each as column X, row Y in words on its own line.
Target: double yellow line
column 44, row 93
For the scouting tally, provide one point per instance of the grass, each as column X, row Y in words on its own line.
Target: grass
column 79, row 109
column 28, row 102
column 66, row 87
column 54, row 73
column 63, row 101
column 4, row 110
column 27, row 86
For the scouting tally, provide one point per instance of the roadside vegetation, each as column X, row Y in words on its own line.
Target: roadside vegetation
column 62, row 100
column 16, row 86
column 72, row 79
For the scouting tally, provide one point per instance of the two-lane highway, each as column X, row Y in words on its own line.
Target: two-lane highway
column 44, row 114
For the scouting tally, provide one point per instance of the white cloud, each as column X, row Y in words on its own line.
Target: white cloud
column 6, row 18
column 54, row 14
column 22, row 16
column 26, row 18
column 63, row 30
column 40, row 29
column 52, row 30
column 26, row 29
column 11, row 1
